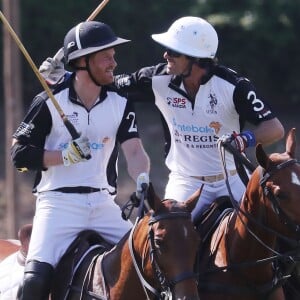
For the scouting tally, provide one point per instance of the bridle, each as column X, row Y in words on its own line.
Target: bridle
column 265, row 176
column 166, row 284
column 275, row 202
column 288, row 259
column 294, row 227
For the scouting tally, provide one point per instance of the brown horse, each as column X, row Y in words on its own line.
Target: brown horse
column 241, row 260
column 155, row 260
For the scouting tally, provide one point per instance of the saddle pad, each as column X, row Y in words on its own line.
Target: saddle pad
column 210, row 218
column 70, row 261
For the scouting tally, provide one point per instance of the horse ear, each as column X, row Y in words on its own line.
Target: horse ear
column 191, row 202
column 290, row 146
column 153, row 200
column 261, row 156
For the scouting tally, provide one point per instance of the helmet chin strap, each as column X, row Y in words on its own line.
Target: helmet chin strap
column 87, row 68
column 189, row 71
column 208, row 66
column 87, row 63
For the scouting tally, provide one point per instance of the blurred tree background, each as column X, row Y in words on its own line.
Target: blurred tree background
column 257, row 38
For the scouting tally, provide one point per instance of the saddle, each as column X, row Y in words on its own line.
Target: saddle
column 209, row 220
column 87, row 244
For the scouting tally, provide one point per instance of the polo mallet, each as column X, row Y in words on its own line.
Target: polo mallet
column 73, row 132
column 60, row 53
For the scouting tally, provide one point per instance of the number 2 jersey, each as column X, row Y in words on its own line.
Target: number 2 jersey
column 109, row 123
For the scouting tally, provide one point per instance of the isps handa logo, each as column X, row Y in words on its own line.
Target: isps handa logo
column 177, row 102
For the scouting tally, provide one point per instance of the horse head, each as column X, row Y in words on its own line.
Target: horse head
column 281, row 184
column 174, row 243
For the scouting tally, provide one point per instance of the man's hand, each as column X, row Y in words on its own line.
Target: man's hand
column 142, row 182
column 77, row 150
column 52, row 71
column 239, row 141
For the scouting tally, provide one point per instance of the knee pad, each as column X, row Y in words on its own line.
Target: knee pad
column 37, row 281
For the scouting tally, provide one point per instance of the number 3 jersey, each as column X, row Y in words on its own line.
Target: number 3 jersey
column 223, row 103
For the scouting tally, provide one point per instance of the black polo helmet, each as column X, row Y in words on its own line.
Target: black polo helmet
column 89, row 37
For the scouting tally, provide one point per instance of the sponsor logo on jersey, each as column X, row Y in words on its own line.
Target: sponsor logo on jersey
column 24, row 129
column 192, row 128
column 73, row 118
column 216, row 126
column 177, row 102
column 192, row 142
column 211, row 107
column 195, row 136
column 93, row 146
column 105, row 140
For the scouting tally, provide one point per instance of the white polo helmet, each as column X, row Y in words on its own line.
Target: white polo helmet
column 191, row 36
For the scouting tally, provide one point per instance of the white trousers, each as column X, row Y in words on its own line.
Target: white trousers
column 181, row 187
column 59, row 217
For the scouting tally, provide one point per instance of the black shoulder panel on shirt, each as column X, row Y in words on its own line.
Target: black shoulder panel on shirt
column 37, row 102
column 41, row 97
column 151, row 71
column 228, row 74
column 128, row 126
